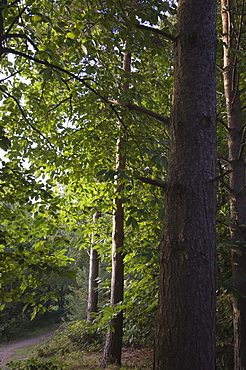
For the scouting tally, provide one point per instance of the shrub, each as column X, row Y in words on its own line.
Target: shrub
column 74, row 336
column 35, row 364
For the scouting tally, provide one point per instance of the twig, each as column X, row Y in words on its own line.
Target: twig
column 16, row 18
column 223, row 123
column 12, row 75
column 58, row 68
column 143, row 110
column 221, row 176
column 18, row 35
column 61, row 102
column 228, row 188
column 158, row 183
column 26, row 119
column 159, row 32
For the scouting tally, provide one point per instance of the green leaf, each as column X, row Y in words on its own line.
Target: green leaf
column 71, row 35
column 101, row 172
column 131, row 221
column 5, row 143
column 37, row 17
column 47, row 74
column 109, row 175
column 129, row 187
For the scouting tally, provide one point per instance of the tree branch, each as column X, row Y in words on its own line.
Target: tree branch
column 219, row 177
column 159, row 32
column 223, row 123
column 61, row 102
column 4, row 50
column 161, row 118
column 10, row 76
column 15, row 19
column 158, row 183
column 143, row 110
column 26, row 119
column 18, row 35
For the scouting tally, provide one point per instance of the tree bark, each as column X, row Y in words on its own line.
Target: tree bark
column 92, row 306
column 113, row 346
column 237, row 195
column 185, row 334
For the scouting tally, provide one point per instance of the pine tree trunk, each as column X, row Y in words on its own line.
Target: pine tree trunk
column 237, row 180
column 113, row 346
column 92, row 305
column 185, row 334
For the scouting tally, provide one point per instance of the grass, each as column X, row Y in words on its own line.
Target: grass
column 32, row 333
column 64, row 348
column 80, row 361
column 23, row 353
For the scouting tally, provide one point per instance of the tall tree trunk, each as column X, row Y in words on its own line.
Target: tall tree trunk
column 185, row 334
column 237, row 179
column 113, row 346
column 92, row 305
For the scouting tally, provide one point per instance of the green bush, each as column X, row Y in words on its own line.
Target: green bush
column 85, row 335
column 35, row 364
column 74, row 336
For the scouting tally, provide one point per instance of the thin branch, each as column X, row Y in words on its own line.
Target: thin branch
column 13, row 3
column 18, row 35
column 158, row 183
column 223, row 123
column 63, row 70
column 12, row 75
column 243, row 188
column 240, row 26
column 83, row 81
column 227, row 187
column 26, row 119
column 222, row 159
column 61, row 102
column 219, row 177
column 242, row 144
column 143, row 110
column 16, row 18
column 221, row 69
column 159, row 32
column 242, row 90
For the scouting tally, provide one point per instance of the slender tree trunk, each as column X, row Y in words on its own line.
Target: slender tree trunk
column 185, row 334
column 113, row 346
column 237, row 179
column 93, row 276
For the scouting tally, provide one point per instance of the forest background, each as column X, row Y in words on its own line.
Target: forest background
column 86, row 94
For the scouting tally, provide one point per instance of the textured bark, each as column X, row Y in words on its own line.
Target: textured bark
column 113, row 346
column 93, row 276
column 237, row 179
column 185, row 335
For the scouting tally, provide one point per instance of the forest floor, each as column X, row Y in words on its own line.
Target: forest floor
column 132, row 358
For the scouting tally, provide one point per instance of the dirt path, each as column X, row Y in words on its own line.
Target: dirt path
column 8, row 351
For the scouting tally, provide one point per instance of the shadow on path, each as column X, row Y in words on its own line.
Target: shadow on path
column 8, row 351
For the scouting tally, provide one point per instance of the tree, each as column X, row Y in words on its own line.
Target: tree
column 92, row 306
column 185, row 335
column 71, row 77
column 113, row 346
column 232, row 43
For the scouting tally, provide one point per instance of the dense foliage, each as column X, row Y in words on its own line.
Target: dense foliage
column 63, row 107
